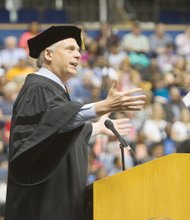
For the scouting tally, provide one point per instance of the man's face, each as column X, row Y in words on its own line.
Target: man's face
column 136, row 31
column 65, row 58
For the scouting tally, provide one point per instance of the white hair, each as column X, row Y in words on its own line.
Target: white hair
column 41, row 59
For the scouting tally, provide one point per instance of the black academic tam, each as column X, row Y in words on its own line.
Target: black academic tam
column 47, row 166
column 52, row 35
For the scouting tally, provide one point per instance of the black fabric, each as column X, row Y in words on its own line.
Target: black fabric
column 51, row 36
column 47, row 166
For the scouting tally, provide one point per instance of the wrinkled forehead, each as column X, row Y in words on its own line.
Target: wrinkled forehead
column 68, row 42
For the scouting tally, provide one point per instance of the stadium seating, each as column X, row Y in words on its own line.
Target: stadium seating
column 27, row 15
column 55, row 16
column 4, row 15
column 171, row 17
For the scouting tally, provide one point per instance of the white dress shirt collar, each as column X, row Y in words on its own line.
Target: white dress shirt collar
column 48, row 74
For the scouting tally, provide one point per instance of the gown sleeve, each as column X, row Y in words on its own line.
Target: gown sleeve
column 37, row 144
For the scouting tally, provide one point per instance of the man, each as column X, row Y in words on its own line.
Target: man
column 135, row 40
column 49, row 134
column 182, row 42
column 11, row 53
column 159, row 39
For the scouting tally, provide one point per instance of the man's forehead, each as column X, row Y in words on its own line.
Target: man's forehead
column 69, row 42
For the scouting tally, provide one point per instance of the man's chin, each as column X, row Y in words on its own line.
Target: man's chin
column 72, row 73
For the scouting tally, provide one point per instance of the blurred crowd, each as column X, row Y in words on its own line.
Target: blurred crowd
column 159, row 64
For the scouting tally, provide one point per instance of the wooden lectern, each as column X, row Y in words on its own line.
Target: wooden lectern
column 159, row 188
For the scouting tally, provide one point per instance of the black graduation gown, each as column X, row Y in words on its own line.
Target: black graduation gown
column 47, row 166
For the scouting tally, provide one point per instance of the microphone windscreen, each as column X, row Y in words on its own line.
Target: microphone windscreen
column 109, row 124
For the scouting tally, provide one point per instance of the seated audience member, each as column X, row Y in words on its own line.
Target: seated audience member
column 91, row 53
column 115, row 56
column 135, row 41
column 168, row 142
column 154, row 127
column 141, row 149
column 156, row 150
column 33, row 30
column 20, row 70
column 126, row 75
column 180, row 129
column 167, row 59
column 182, row 42
column 184, row 147
column 180, row 66
column 11, row 54
column 10, row 91
column 137, row 46
column 83, row 88
column 145, row 114
column 174, row 105
column 106, row 37
column 160, row 90
column 117, row 165
column 159, row 39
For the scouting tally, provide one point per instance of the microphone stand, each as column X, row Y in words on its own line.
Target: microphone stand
column 122, row 156
column 123, row 143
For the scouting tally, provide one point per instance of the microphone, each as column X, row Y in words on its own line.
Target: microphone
column 109, row 124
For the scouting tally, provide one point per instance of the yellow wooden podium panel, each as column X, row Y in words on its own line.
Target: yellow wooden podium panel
column 158, row 188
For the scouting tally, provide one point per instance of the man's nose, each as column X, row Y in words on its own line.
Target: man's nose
column 77, row 54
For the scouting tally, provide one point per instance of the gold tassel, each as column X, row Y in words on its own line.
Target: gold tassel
column 82, row 43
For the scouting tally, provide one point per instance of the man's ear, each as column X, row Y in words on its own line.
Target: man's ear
column 48, row 54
